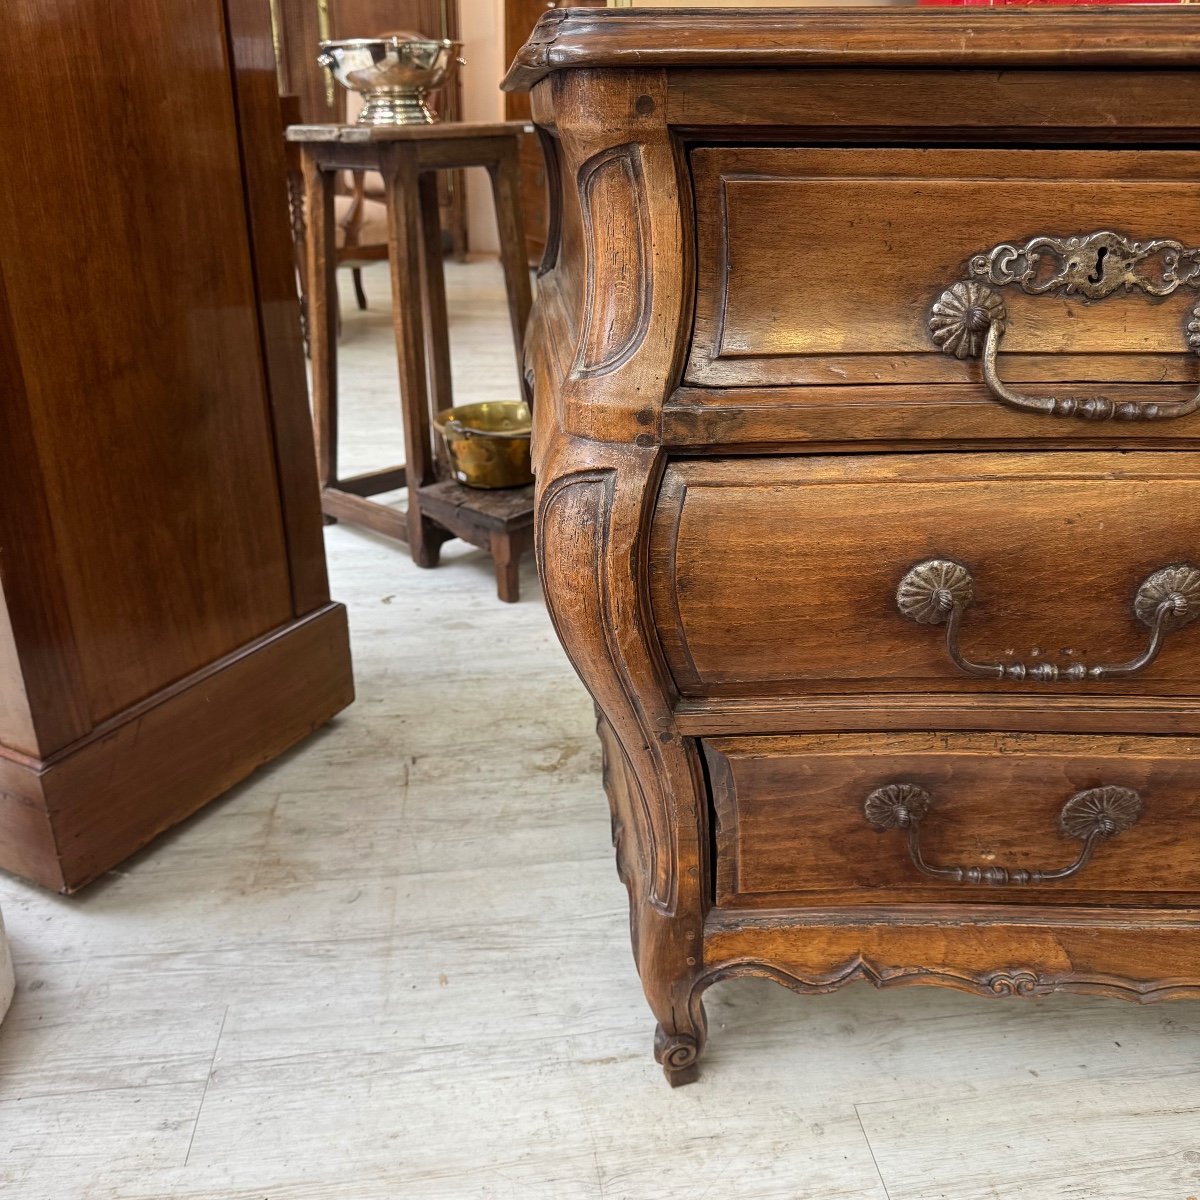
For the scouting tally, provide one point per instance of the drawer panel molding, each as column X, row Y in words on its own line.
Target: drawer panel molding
column 852, row 304
column 781, row 576
column 806, row 821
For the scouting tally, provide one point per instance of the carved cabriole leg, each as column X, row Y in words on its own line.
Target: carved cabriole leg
column 591, row 523
column 606, row 344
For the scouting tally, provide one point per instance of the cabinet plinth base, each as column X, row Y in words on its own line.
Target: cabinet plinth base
column 68, row 819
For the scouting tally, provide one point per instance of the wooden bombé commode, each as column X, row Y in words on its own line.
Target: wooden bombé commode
column 866, row 377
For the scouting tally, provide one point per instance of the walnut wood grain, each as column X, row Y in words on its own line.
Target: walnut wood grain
column 850, row 305
column 1141, row 955
column 744, row 435
column 877, row 415
column 790, row 828
column 569, row 39
column 158, row 502
column 780, row 575
column 1117, row 108
column 775, row 713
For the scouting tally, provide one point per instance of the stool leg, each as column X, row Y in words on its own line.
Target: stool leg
column 401, row 182
column 508, row 563
column 360, row 297
column 514, row 256
column 322, row 314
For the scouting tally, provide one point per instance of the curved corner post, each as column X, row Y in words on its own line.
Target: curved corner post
column 626, row 185
column 606, row 348
column 594, row 505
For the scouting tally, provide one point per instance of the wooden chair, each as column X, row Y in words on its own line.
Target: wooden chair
column 361, row 231
column 361, row 211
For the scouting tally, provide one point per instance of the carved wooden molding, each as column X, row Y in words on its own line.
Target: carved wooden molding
column 1012, row 37
column 1014, row 981
column 618, row 290
column 582, row 558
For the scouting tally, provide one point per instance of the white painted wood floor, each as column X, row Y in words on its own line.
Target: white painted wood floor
column 396, row 964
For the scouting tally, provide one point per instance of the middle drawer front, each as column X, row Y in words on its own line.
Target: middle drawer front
column 780, row 576
column 812, row 820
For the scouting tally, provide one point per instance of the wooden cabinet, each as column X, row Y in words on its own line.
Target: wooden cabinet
column 166, row 623
column 866, row 371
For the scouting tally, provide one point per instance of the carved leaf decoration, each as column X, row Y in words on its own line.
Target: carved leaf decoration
column 1178, row 583
column 923, row 592
column 1105, row 810
column 897, row 804
column 961, row 317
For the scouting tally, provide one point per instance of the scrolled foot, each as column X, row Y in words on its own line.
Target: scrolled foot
column 679, row 1054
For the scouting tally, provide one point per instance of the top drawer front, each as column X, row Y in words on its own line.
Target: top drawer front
column 820, row 266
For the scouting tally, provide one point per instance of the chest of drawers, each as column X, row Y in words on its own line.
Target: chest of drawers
column 865, row 362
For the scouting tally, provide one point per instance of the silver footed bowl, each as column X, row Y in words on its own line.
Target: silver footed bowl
column 394, row 74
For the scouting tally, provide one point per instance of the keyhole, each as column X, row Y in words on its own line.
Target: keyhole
column 1097, row 276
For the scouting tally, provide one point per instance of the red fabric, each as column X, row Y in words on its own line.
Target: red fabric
column 1038, row 3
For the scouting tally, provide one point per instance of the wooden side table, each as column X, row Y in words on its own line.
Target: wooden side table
column 408, row 157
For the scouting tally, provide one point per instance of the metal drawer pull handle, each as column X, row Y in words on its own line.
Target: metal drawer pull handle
column 1090, row 816
column 939, row 590
column 970, row 317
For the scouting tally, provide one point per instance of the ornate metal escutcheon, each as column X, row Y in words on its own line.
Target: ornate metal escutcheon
column 1090, row 817
column 969, row 318
column 938, row 591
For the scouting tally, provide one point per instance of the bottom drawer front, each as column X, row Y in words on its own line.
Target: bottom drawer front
column 1009, row 819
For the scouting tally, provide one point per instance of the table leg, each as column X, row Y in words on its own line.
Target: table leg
column 322, row 314
column 458, row 215
column 506, row 190
column 437, row 331
column 401, row 180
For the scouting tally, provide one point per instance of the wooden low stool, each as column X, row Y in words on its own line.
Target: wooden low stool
column 408, row 157
column 500, row 522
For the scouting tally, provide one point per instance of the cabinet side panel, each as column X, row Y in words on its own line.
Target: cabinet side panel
column 123, row 234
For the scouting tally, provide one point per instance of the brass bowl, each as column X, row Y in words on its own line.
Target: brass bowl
column 393, row 74
column 488, row 444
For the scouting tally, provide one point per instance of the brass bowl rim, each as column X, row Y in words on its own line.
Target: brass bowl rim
column 446, row 419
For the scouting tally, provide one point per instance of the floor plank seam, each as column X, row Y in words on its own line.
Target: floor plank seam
column 871, row 1151
column 207, row 1080
column 267, row 833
